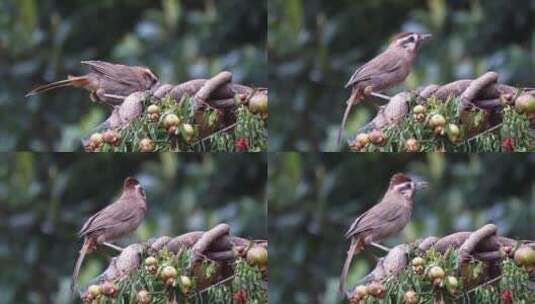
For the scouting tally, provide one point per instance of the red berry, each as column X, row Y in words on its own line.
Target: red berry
column 508, row 145
column 146, row 145
column 143, row 297
column 240, row 296
column 241, row 144
column 111, row 137
column 411, row 145
column 355, row 146
column 109, row 289
column 410, row 297
column 507, row 297
column 377, row 137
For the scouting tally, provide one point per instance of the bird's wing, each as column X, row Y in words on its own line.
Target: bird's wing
column 373, row 218
column 351, row 231
column 379, row 65
column 114, row 213
column 111, row 71
column 87, row 224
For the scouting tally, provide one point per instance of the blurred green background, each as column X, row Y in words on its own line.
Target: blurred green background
column 314, row 47
column 45, row 199
column 313, row 199
column 45, row 40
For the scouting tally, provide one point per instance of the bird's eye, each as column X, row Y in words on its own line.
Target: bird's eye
column 405, row 187
column 155, row 78
column 141, row 191
column 150, row 76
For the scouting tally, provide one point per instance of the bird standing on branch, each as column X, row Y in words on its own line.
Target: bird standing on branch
column 108, row 83
column 385, row 219
column 115, row 221
column 384, row 71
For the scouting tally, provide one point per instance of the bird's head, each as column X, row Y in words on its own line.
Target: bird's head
column 150, row 77
column 131, row 184
column 409, row 41
column 405, row 185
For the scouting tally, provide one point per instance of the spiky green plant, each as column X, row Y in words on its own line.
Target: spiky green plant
column 474, row 133
column 246, row 284
column 474, row 283
column 195, row 132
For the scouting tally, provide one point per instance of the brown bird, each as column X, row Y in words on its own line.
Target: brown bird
column 384, row 71
column 108, row 82
column 115, row 221
column 383, row 220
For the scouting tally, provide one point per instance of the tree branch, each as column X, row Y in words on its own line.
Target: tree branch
column 474, row 239
column 207, row 239
column 474, row 88
column 209, row 87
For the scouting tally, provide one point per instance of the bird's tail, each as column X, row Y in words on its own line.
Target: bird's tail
column 354, row 97
column 75, row 81
column 88, row 243
column 354, row 248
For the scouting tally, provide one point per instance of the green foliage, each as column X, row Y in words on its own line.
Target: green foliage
column 516, row 128
column 408, row 279
column 247, row 286
column 250, row 130
column 248, row 133
column 247, row 280
column 467, row 134
column 514, row 279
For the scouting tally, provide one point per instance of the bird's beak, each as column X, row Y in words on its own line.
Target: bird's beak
column 419, row 182
column 424, row 37
column 420, row 185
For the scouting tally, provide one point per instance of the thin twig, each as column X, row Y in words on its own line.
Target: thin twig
column 484, row 284
column 484, row 132
column 215, row 285
column 229, row 127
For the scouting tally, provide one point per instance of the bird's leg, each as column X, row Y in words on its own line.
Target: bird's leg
column 112, row 246
column 368, row 91
column 377, row 245
column 379, row 95
column 118, row 97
